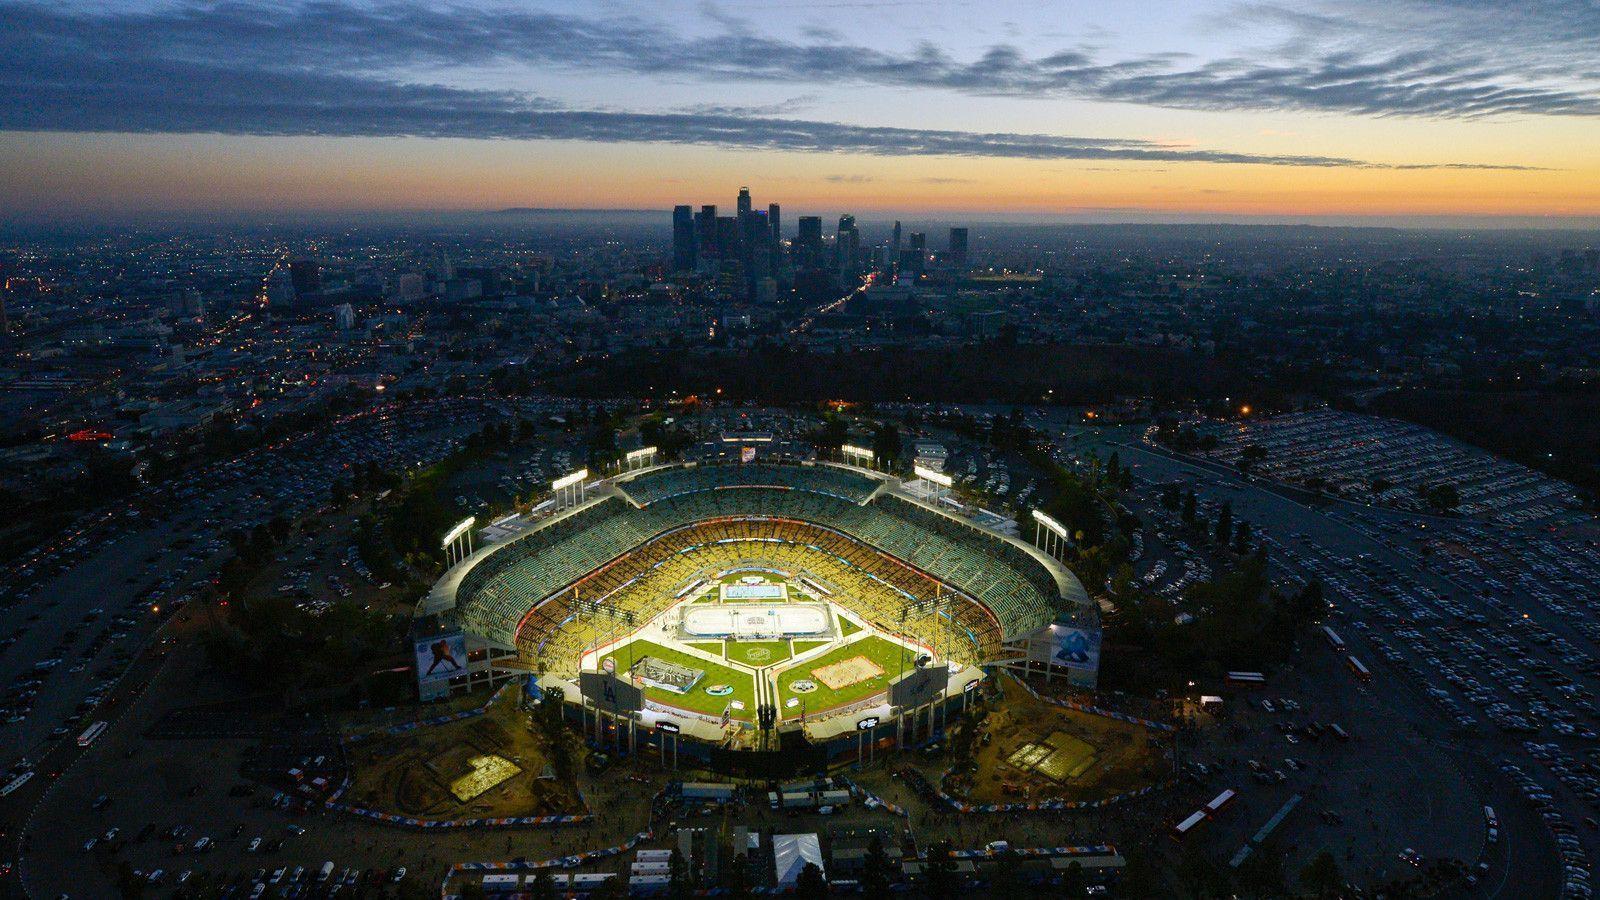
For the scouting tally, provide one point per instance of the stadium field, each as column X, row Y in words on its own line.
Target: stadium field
column 886, row 655
column 696, row 700
column 758, row 653
column 803, row 646
column 847, row 627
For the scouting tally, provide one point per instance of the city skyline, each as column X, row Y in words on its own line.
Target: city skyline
column 1341, row 111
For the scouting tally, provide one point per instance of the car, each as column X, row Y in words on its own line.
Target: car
column 254, row 845
column 294, row 830
column 398, row 876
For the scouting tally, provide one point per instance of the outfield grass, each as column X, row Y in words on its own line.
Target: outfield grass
column 802, row 646
column 697, row 700
column 712, row 647
column 886, row 654
column 847, row 627
column 758, row 653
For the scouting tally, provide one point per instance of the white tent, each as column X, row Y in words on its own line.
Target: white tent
column 792, row 852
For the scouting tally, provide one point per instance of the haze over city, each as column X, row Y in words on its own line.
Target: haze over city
column 1441, row 112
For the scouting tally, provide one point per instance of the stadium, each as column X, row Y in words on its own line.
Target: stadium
column 752, row 606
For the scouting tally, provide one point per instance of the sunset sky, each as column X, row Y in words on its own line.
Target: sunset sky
column 1328, row 109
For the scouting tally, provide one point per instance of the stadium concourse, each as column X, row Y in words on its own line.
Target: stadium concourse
column 716, row 590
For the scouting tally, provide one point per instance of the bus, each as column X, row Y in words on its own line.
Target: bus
column 1182, row 829
column 1247, row 679
column 1339, row 732
column 1334, row 641
column 15, row 783
column 91, row 734
column 1220, row 802
column 1362, row 673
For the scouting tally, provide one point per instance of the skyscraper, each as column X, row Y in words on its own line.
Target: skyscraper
column 683, row 238
column 706, row 231
column 958, row 248
column 808, row 243
column 744, row 202
column 847, row 246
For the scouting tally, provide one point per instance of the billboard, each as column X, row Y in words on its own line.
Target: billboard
column 919, row 686
column 441, row 657
column 610, row 692
column 1074, row 647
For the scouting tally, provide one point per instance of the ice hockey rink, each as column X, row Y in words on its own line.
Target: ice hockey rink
column 749, row 621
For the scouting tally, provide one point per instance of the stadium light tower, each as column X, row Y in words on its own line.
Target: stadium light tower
column 1050, row 535
column 860, row 456
column 457, row 542
column 642, row 458
column 569, row 489
column 940, row 481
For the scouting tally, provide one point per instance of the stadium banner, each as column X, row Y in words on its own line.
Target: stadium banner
column 1074, row 647
column 611, row 692
column 764, row 591
column 919, row 687
column 440, row 657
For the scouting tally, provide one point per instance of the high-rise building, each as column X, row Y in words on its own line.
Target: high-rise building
column 344, row 317
column 847, row 246
column 958, row 248
column 808, row 243
column 683, row 238
column 705, row 223
column 744, row 202
column 280, row 288
column 775, row 223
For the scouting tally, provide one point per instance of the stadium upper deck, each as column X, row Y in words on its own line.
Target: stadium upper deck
column 492, row 590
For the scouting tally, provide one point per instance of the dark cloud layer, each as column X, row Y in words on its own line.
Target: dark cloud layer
column 329, row 68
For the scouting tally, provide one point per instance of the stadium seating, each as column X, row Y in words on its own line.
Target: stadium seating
column 631, row 560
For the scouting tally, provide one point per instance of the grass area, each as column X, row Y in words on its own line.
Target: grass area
column 697, row 700
column 886, row 654
column 803, row 646
column 847, row 627
column 714, row 647
column 758, row 653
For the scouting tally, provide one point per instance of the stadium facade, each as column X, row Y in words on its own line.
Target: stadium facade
column 618, row 568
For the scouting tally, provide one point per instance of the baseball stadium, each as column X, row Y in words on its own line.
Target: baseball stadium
column 744, row 604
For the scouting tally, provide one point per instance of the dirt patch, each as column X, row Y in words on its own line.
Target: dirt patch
column 493, row 761
column 1029, row 749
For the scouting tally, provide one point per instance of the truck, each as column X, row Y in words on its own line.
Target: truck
column 1183, row 829
column 1360, row 670
column 92, row 734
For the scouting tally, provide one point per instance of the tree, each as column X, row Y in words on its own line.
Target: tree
column 1321, row 875
column 942, row 882
column 886, row 446
column 876, row 876
column 1072, row 880
column 1241, row 536
column 1189, row 507
column 544, row 887
column 678, row 875
column 810, row 884
column 1170, row 498
column 1225, row 524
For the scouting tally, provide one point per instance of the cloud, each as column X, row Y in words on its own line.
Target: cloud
column 324, row 68
column 1440, row 58
column 849, row 179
